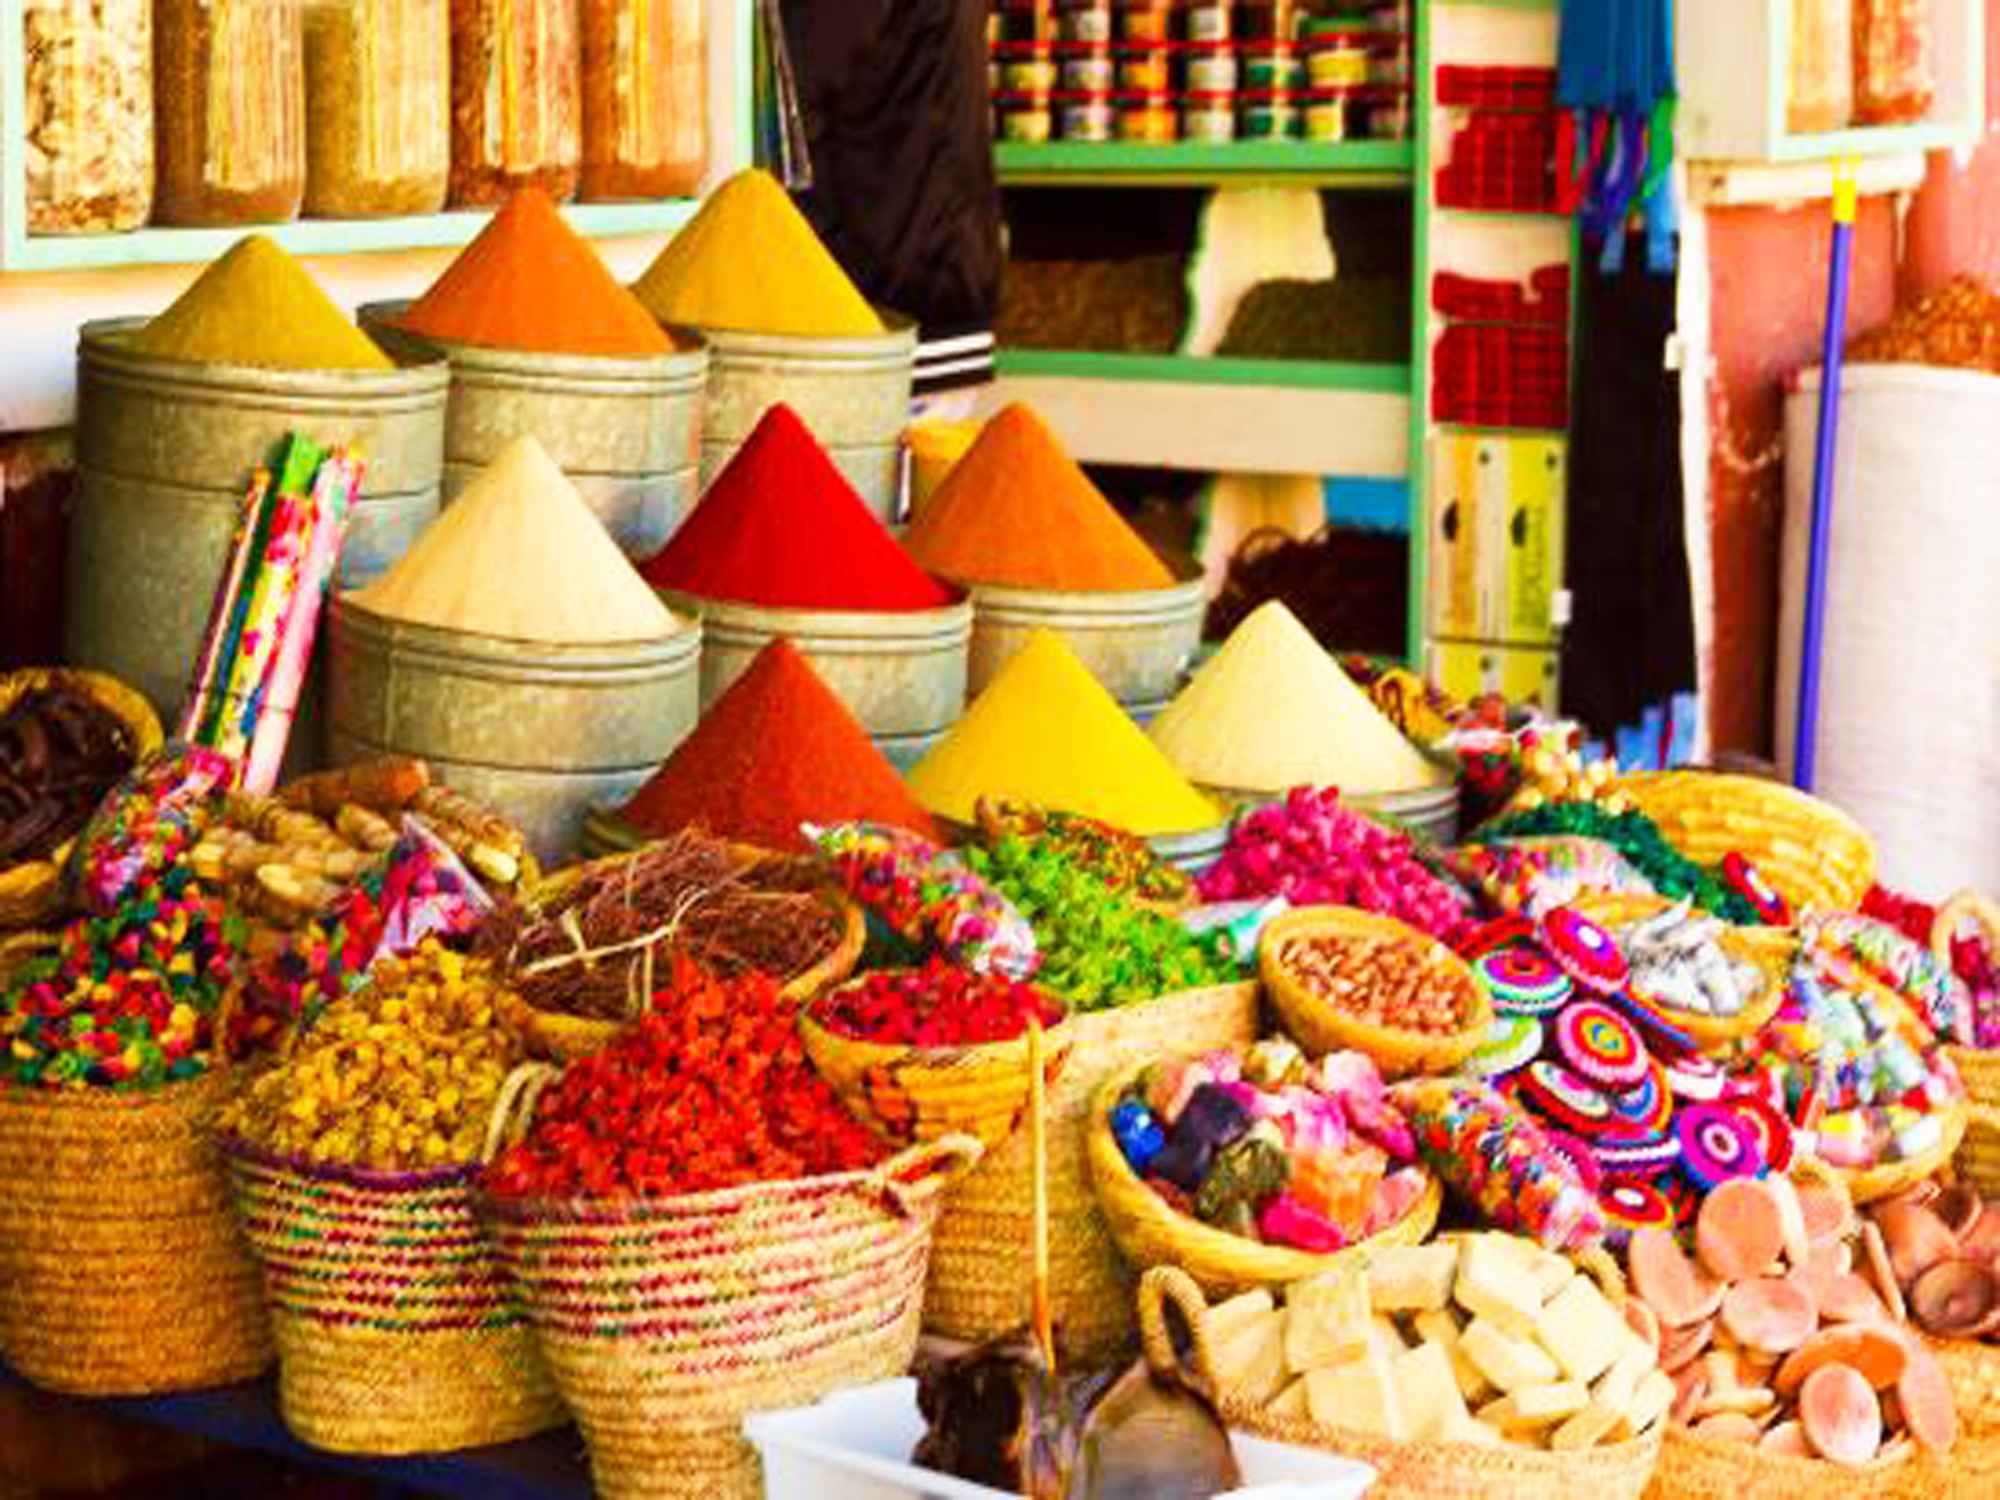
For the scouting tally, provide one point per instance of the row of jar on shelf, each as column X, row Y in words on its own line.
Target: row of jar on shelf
column 218, row 112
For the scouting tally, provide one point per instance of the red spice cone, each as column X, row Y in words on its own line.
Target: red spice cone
column 777, row 749
column 782, row 527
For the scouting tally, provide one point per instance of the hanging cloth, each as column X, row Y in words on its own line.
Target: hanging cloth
column 1615, row 78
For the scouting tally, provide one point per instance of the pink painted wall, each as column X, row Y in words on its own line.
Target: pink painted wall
column 1768, row 294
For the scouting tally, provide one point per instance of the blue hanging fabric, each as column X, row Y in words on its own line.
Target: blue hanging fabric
column 1615, row 75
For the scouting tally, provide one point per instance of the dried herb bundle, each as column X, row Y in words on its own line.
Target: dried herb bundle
column 599, row 944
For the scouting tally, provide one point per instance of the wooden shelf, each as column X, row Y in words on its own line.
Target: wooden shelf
column 163, row 246
column 1173, row 414
column 1200, row 163
column 1190, row 369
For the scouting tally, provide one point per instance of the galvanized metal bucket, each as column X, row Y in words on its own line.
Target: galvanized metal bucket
column 164, row 454
column 1192, row 852
column 1429, row 812
column 901, row 673
column 625, row 430
column 539, row 733
column 853, row 393
column 1137, row 643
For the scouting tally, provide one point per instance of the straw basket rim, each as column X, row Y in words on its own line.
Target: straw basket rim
column 1211, row 1257
column 31, row 890
column 1323, row 1026
column 235, row 1148
column 1772, row 950
column 1867, row 1184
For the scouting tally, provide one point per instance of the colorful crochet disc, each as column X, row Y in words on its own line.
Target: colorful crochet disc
column 1558, row 1095
column 1580, row 1157
column 1586, row 952
column 1642, row 1159
column 1600, row 1046
column 1646, row 1109
column 1661, row 1034
column 1696, row 1078
column 1502, row 932
column 1748, row 882
column 1718, row 1142
column 1511, row 1042
column 1522, row 981
column 1632, row 1206
column 1774, row 1132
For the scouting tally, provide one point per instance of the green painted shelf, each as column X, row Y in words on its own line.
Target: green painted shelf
column 1190, row 369
column 164, row 246
column 1355, row 163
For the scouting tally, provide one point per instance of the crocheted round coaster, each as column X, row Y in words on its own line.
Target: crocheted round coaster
column 1662, row 1036
column 1646, row 1109
column 1718, row 1141
column 1600, row 1046
column 1698, row 1078
column 1558, row 1095
column 1586, row 952
column 1511, row 1043
column 1776, row 1140
column 1523, row 981
column 1632, row 1206
column 1644, row 1159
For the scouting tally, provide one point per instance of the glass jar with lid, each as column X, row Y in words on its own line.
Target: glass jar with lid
column 515, row 102
column 229, row 85
column 88, row 141
column 378, row 135
column 645, row 119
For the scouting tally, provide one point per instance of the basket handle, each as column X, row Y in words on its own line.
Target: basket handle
column 514, row 1106
column 1944, row 926
column 1168, row 1289
column 911, row 1178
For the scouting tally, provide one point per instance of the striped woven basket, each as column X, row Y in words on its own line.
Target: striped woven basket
column 982, row 1268
column 1407, row 1470
column 121, row 1268
column 665, row 1321
column 1814, row 854
column 396, row 1329
column 1152, row 1233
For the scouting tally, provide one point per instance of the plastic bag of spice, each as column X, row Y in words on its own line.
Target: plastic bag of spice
column 927, row 897
column 144, row 825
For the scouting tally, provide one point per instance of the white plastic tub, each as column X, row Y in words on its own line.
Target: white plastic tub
column 856, row 1445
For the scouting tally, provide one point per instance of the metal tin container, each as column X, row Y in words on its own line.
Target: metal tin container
column 1089, row 120
column 1326, row 117
column 853, row 393
column 1429, row 812
column 1137, row 643
column 1025, row 117
column 164, row 455
column 538, row 733
column 901, row 673
column 1208, row 117
column 625, row 430
column 1089, row 73
column 1211, row 71
column 1192, row 852
column 1147, row 118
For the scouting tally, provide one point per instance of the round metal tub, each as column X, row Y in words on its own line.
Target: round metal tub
column 624, row 430
column 1429, row 812
column 164, row 455
column 1137, row 643
column 901, row 673
column 853, row 393
column 541, row 734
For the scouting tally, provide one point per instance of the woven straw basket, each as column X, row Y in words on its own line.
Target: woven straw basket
column 1151, row 1233
column 908, row 1094
column 1410, row 1470
column 1978, row 1158
column 1813, row 854
column 31, row 892
column 1691, row 1467
column 1320, row 1026
column 982, row 1267
column 557, row 1037
column 665, row 1321
column 396, row 1329
column 121, row 1269
column 1868, row 1184
column 1771, row 949
column 1978, row 1067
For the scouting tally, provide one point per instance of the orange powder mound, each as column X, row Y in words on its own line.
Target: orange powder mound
column 776, row 750
column 529, row 281
column 1017, row 511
